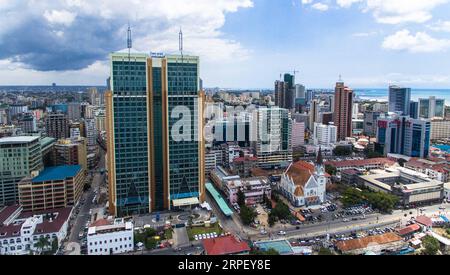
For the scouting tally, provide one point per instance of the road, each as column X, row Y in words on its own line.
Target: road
column 234, row 226
column 81, row 219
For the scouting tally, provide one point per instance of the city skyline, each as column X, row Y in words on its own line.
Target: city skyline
column 406, row 44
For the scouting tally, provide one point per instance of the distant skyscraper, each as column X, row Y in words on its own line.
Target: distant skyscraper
column 324, row 134
column 74, row 111
column 431, row 107
column 57, row 125
column 314, row 115
column 93, row 95
column 149, row 169
column 414, row 109
column 399, row 100
column 343, row 111
column 285, row 92
column 404, row 135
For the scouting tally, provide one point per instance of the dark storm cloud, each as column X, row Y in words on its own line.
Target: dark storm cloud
column 36, row 44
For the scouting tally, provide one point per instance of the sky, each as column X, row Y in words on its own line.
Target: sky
column 242, row 43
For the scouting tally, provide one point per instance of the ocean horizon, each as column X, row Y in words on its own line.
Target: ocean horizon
column 383, row 94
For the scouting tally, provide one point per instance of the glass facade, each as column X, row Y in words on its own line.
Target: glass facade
column 130, row 136
column 183, row 155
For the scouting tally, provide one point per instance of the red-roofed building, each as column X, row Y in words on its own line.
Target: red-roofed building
column 227, row 245
column 366, row 164
column 424, row 221
column 408, row 231
column 303, row 184
column 20, row 231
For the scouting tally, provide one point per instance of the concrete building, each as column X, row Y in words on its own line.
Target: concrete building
column 399, row 100
column 404, row 135
column 314, row 113
column 27, row 123
column 20, row 231
column 108, row 237
column 55, row 187
column 370, row 123
column 362, row 165
column 19, row 157
column 57, row 125
column 274, row 135
column 74, row 111
column 374, row 244
column 440, row 128
column 325, row 135
column 70, row 152
column 343, row 111
column 412, row 188
column 431, row 107
column 298, row 134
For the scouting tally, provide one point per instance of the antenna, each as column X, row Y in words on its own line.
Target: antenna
column 340, row 78
column 129, row 40
column 180, row 40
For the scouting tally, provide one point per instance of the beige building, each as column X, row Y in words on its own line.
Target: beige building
column 440, row 128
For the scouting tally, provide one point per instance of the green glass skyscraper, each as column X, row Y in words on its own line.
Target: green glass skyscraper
column 153, row 164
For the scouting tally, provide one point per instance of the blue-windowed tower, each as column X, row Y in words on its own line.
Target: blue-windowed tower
column 155, row 130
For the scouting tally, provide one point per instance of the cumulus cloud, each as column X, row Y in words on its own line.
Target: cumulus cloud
column 320, row 6
column 440, row 26
column 65, row 35
column 415, row 43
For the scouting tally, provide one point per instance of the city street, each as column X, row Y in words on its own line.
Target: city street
column 85, row 205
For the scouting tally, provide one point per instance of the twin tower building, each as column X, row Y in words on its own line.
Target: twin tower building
column 148, row 168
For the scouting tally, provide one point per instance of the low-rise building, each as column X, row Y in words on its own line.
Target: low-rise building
column 107, row 237
column 21, row 231
column 55, row 187
column 303, row 184
column 412, row 188
column 366, row 164
column 226, row 245
column 375, row 244
column 243, row 165
column 447, row 191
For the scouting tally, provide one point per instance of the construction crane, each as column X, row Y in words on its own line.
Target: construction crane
column 294, row 72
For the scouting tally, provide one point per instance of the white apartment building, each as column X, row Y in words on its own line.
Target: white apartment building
column 107, row 237
column 20, row 231
column 440, row 128
column 325, row 135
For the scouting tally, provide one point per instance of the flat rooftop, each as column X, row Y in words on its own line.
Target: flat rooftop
column 57, row 173
column 18, row 140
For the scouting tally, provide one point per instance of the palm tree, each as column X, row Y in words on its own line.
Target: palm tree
column 42, row 244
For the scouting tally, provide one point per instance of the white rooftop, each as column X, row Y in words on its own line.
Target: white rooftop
column 18, row 140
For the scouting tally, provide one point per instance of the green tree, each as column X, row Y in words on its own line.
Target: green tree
column 431, row 245
column 247, row 215
column 272, row 219
column 42, row 244
column 342, row 151
column 281, row 211
column 54, row 245
column 240, row 198
column 150, row 243
column 330, row 169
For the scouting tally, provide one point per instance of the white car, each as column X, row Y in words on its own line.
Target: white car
column 282, row 233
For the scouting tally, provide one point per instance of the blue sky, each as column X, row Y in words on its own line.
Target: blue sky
column 242, row 43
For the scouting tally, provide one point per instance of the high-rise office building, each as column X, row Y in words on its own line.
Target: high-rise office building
column 19, row 158
column 431, row 107
column 93, row 96
column 298, row 134
column 404, row 135
column 414, row 109
column 343, row 111
column 150, row 167
column 57, row 125
column 399, row 100
column 74, row 111
column 314, row 113
column 274, row 136
column 285, row 92
column 27, row 123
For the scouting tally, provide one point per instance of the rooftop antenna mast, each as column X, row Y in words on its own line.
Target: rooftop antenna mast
column 180, row 41
column 129, row 40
